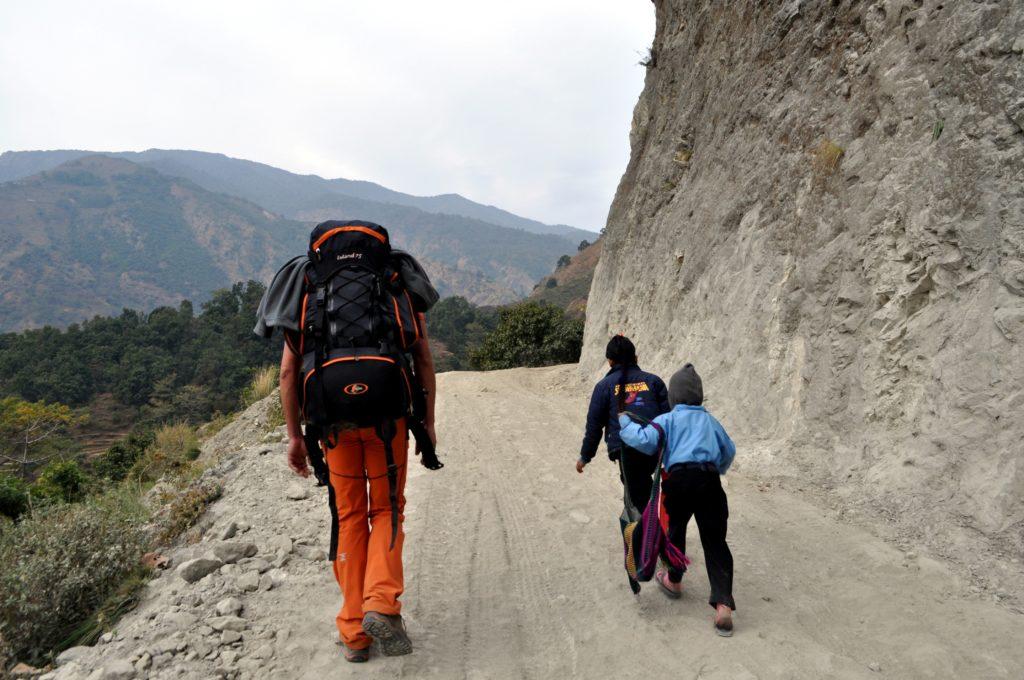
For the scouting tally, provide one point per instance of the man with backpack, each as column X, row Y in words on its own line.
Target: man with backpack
column 357, row 371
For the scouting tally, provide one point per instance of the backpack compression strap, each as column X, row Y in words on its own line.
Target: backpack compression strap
column 386, row 432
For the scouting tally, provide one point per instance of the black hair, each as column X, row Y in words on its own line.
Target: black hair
column 621, row 350
column 622, row 353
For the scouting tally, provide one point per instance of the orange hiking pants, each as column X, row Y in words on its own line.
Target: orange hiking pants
column 368, row 572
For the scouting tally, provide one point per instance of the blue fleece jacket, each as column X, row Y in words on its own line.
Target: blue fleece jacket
column 646, row 395
column 692, row 435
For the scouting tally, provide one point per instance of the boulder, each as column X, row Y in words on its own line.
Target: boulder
column 248, row 581
column 193, row 570
column 280, row 544
column 229, row 606
column 230, row 637
column 71, row 654
column 230, row 552
column 223, row 623
column 228, row 531
column 119, row 669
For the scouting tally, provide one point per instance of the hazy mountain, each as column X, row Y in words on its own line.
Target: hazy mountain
column 283, row 192
column 97, row 234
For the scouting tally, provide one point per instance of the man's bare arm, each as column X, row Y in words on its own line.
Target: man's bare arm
column 289, row 380
column 423, row 362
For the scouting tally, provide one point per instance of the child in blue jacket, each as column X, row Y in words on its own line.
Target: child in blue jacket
column 697, row 452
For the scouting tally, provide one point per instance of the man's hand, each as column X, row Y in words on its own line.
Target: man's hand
column 580, row 464
column 298, row 459
column 429, row 427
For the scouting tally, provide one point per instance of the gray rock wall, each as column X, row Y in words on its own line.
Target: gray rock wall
column 824, row 211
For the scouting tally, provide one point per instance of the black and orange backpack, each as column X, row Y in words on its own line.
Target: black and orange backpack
column 358, row 324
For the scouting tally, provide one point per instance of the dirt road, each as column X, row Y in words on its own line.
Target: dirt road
column 514, row 570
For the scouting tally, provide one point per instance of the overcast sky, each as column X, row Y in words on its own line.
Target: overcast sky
column 525, row 105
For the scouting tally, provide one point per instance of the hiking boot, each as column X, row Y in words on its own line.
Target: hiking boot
column 389, row 632
column 671, row 590
column 353, row 655
column 723, row 620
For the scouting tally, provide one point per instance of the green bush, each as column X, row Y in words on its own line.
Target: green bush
column 530, row 334
column 61, row 481
column 116, row 461
column 59, row 565
column 13, row 496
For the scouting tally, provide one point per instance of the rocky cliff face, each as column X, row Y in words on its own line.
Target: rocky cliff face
column 824, row 211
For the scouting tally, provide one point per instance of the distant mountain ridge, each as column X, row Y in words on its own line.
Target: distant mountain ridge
column 279, row 190
column 99, row 233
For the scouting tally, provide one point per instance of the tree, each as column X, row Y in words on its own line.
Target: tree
column 584, row 244
column 530, row 334
column 33, row 433
column 563, row 261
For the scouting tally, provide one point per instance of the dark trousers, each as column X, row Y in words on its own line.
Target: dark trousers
column 639, row 470
column 699, row 493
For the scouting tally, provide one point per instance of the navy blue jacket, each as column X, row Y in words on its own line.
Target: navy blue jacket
column 646, row 395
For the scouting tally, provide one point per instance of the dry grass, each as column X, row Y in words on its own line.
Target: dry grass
column 174, row 449
column 827, row 157
column 263, row 384
column 185, row 509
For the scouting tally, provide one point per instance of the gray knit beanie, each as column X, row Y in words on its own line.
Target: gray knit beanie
column 685, row 387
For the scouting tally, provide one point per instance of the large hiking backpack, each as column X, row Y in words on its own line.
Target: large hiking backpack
column 358, row 323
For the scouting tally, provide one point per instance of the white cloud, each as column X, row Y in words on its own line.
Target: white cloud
column 525, row 105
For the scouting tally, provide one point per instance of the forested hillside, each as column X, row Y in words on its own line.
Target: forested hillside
column 171, row 363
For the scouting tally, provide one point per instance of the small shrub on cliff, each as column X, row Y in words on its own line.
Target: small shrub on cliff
column 13, row 496
column 263, row 383
column 116, row 461
column 827, row 157
column 172, row 452
column 59, row 565
column 61, row 481
column 530, row 334
column 185, row 509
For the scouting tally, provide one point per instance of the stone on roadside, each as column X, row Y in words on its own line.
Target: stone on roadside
column 311, row 552
column 248, row 581
column 230, row 637
column 229, row 606
column 228, row 531
column 280, row 544
column 266, row 582
column 259, row 564
column 223, row 623
column 297, row 492
column 119, row 669
column 144, row 662
column 264, row 651
column 71, row 654
column 180, row 620
column 278, row 576
column 193, row 570
column 230, row 552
